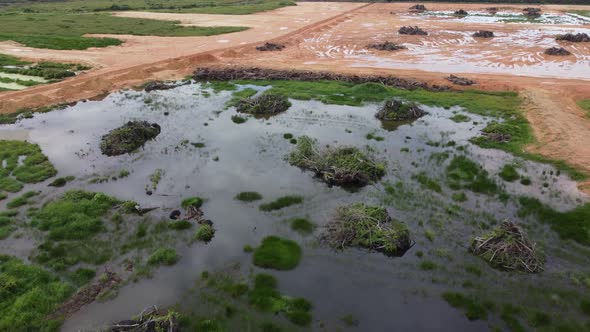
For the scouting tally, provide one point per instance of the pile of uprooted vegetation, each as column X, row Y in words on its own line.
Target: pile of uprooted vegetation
column 128, row 137
column 461, row 12
column 559, row 51
column 336, row 166
column 507, row 247
column 150, row 320
column 483, row 34
column 412, row 30
column 266, row 104
column 396, row 110
column 418, row 8
column 532, row 12
column 459, row 80
column 386, row 46
column 270, row 47
column 159, row 85
column 367, row 226
column 237, row 73
column 576, row 38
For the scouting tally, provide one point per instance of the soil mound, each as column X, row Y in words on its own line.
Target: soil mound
column 237, row 73
column 386, row 46
column 559, row 51
column 395, row 110
column 412, row 30
column 266, row 104
column 418, row 8
column 367, row 226
column 343, row 166
column 484, row 34
column 270, row 47
column 507, row 247
column 461, row 12
column 460, row 80
column 128, row 137
column 576, row 38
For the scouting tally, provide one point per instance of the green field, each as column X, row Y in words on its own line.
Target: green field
column 61, row 25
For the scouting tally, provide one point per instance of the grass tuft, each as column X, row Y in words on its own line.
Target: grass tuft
column 277, row 253
column 281, row 202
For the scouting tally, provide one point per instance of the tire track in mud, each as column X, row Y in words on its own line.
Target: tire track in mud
column 93, row 84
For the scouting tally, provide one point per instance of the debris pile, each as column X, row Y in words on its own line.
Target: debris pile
column 396, row 110
column 238, row 73
column 507, row 247
column 418, row 8
column 532, row 12
column 483, row 34
column 159, row 85
column 367, row 226
column 559, row 51
column 270, row 47
column 576, row 38
column 412, row 30
column 266, row 104
column 149, row 320
column 342, row 166
column 460, row 80
column 461, row 12
column 386, row 46
column 128, row 137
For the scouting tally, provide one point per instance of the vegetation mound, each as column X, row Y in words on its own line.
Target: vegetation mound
column 367, row 226
column 559, row 51
column 484, row 34
column 418, row 8
column 266, row 104
column 460, row 80
column 461, row 12
column 576, row 38
column 336, row 166
column 386, row 46
column 396, row 110
column 270, row 47
column 412, row 30
column 532, row 12
column 159, row 85
column 464, row 173
column 22, row 162
column 128, row 138
column 277, row 253
column 507, row 247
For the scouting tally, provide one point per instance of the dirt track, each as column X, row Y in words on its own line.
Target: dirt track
column 332, row 37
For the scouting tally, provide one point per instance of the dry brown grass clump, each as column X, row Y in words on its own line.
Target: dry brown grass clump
column 507, row 247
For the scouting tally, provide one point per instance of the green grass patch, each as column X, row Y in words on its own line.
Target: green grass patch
column 27, row 295
column 585, row 105
column 459, row 197
column 248, row 196
column 163, row 256
column 460, row 118
column 427, row 265
column 238, row 119
column 473, row 309
column 205, row 233
column 180, row 225
column 60, row 182
column 21, row 200
column 509, row 173
column 573, row 224
column 281, row 202
column 301, row 225
column 464, row 173
column 427, row 182
column 195, row 202
column 277, row 253
column 33, row 168
column 82, row 276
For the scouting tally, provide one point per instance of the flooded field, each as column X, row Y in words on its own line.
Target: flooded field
column 203, row 151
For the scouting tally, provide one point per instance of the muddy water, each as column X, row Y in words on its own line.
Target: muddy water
column 383, row 293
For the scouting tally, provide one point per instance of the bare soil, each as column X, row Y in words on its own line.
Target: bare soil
column 332, row 37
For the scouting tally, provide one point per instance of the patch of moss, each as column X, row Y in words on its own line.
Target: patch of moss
column 163, row 256
column 248, row 196
column 277, row 253
column 23, row 163
column 238, row 119
column 282, row 202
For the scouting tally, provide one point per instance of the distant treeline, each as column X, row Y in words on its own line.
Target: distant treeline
column 537, row 2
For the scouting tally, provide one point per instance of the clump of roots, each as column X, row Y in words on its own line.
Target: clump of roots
column 507, row 247
column 270, row 47
column 367, row 226
column 396, row 110
column 386, row 46
column 412, row 30
column 149, row 320
column 559, row 51
column 576, row 38
column 343, row 166
column 128, row 137
column 266, row 104
column 484, row 34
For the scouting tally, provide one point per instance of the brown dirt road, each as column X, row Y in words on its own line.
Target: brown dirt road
column 332, row 36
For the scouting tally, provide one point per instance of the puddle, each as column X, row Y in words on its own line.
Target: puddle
column 384, row 293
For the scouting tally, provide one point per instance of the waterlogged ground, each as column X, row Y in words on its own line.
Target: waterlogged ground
column 379, row 292
column 476, row 17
